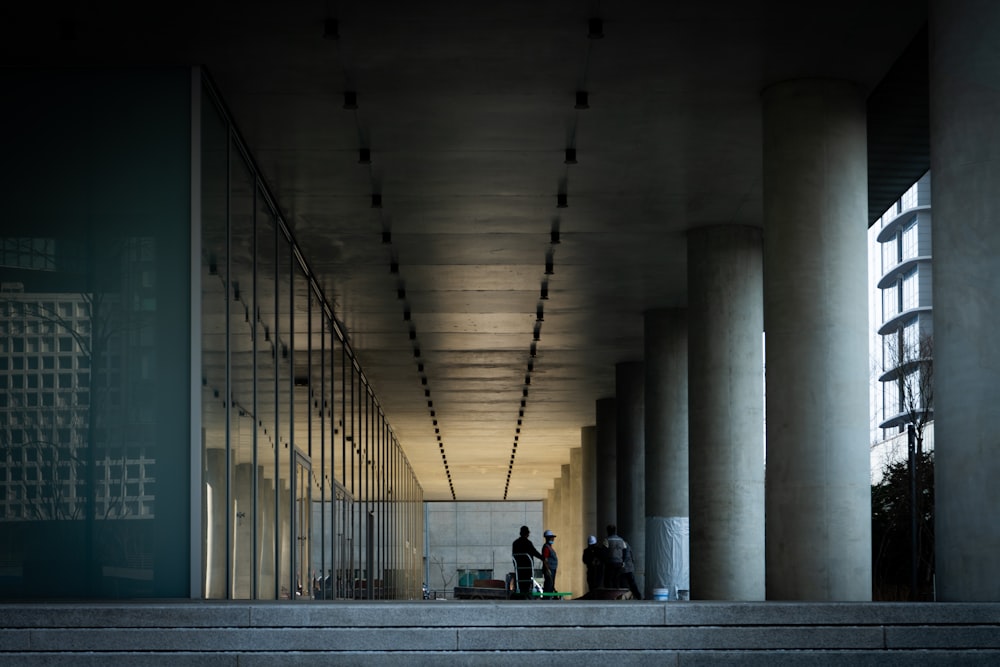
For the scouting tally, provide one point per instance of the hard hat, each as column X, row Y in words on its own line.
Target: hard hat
column 591, row 540
column 548, row 533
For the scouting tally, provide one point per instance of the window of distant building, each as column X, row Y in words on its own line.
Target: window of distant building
column 908, row 239
column 910, row 291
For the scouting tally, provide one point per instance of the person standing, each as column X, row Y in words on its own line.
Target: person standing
column 594, row 556
column 615, row 557
column 550, row 562
column 523, row 551
column 628, row 574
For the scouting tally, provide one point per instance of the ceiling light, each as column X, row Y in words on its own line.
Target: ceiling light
column 423, row 380
column 427, row 393
column 394, row 266
column 554, row 236
column 365, row 156
column 540, row 313
column 413, row 334
column 351, row 99
column 524, row 392
column 550, row 262
column 406, row 315
column 534, row 350
column 531, row 365
column 537, row 333
column 420, row 368
column 523, row 402
column 544, row 294
column 527, row 379
column 416, row 352
column 570, row 156
column 561, row 200
column 376, row 200
column 581, row 100
column 386, row 236
column 595, row 28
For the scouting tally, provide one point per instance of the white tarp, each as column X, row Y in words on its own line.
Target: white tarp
column 667, row 554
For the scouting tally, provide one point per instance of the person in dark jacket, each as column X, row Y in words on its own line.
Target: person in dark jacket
column 550, row 562
column 594, row 556
column 523, row 551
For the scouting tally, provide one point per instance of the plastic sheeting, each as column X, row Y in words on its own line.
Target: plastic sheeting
column 667, row 554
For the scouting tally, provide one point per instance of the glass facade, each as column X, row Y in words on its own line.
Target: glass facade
column 307, row 493
column 180, row 414
column 95, row 335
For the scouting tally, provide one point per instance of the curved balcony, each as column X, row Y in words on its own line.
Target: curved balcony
column 903, row 418
column 901, row 269
column 897, row 320
column 902, row 369
column 892, row 227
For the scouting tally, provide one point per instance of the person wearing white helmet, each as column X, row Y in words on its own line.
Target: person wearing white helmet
column 550, row 563
column 594, row 556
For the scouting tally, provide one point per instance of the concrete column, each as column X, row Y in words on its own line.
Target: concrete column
column 606, row 453
column 574, row 549
column 266, row 532
column 588, row 446
column 631, row 472
column 565, row 530
column 965, row 167
column 666, row 436
column 815, row 299
column 726, row 412
column 242, row 554
column 214, row 524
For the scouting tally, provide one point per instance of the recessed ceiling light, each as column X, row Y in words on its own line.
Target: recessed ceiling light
column 582, row 100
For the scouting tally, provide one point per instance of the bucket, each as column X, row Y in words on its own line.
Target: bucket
column 661, row 593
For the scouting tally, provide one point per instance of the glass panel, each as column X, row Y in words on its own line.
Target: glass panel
column 215, row 306
column 303, row 510
column 284, row 451
column 94, row 484
column 266, row 355
column 242, row 412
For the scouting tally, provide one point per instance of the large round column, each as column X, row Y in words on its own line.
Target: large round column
column 726, row 413
column 631, row 491
column 607, row 452
column 965, row 168
column 666, row 438
column 816, row 305
column 578, row 582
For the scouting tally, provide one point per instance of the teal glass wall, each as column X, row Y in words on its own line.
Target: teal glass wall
column 306, row 493
column 95, row 323
column 155, row 445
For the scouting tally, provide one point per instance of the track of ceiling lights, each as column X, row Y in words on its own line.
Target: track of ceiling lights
column 331, row 31
column 595, row 30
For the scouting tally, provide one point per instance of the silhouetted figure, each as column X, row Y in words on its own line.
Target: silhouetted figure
column 523, row 551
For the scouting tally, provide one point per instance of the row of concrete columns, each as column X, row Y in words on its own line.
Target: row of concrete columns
column 680, row 449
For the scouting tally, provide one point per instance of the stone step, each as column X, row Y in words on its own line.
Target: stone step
column 769, row 634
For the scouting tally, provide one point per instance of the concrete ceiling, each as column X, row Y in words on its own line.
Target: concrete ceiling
column 468, row 109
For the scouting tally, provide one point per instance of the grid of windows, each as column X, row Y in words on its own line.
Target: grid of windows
column 28, row 253
column 45, row 408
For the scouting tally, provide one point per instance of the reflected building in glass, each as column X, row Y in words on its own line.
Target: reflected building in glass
column 181, row 414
